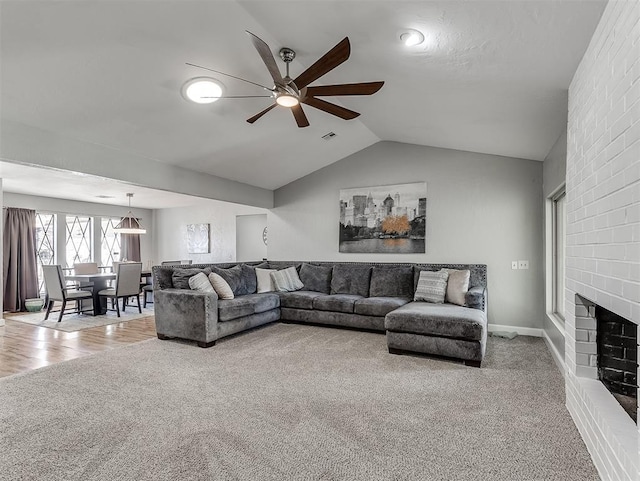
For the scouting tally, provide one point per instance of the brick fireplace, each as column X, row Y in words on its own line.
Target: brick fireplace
column 603, row 230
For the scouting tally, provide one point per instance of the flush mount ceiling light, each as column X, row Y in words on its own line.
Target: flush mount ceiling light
column 286, row 100
column 202, row 90
column 129, row 224
column 411, row 37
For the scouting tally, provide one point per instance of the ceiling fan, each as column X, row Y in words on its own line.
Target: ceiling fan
column 288, row 92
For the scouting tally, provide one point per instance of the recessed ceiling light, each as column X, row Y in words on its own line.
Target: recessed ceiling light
column 412, row 37
column 202, row 90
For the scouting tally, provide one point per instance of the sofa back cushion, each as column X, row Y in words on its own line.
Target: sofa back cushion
column 241, row 278
column 351, row 279
column 180, row 277
column 316, row 278
column 163, row 277
column 391, row 281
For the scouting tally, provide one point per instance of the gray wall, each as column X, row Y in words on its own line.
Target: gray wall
column 170, row 230
column 554, row 172
column 480, row 209
column 250, row 244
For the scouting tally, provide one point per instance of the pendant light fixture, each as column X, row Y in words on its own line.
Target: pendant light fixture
column 129, row 225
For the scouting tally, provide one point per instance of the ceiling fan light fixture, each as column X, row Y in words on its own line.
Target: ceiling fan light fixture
column 202, row 90
column 287, row 100
column 412, row 37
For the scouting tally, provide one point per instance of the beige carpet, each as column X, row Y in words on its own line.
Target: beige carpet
column 78, row 322
column 291, row 402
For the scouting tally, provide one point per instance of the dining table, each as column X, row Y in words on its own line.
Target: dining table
column 99, row 282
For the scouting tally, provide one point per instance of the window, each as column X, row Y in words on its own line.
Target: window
column 79, row 241
column 45, row 244
column 110, row 241
column 559, row 231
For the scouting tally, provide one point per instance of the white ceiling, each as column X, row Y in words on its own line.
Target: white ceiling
column 492, row 77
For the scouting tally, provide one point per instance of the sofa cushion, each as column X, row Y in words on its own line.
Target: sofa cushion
column 379, row 306
column 432, row 286
column 299, row 299
column 316, row 278
column 241, row 278
column 446, row 320
column 457, row 286
column 163, row 277
column 180, row 276
column 336, row 303
column 263, row 276
column 200, row 282
column 220, row 286
column 286, row 280
column 351, row 279
column 229, row 309
column 391, row 281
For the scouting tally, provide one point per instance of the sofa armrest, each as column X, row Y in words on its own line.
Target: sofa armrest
column 186, row 314
column 476, row 298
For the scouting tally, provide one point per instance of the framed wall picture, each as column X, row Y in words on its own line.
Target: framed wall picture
column 388, row 219
column 198, row 238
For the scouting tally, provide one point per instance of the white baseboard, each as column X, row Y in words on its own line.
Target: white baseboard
column 559, row 360
column 522, row 331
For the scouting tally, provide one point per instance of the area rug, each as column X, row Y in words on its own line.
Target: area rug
column 291, row 402
column 78, row 322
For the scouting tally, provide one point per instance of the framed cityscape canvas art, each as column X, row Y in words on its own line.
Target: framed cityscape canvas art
column 198, row 238
column 388, row 219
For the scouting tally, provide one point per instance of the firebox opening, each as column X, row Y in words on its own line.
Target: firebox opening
column 617, row 345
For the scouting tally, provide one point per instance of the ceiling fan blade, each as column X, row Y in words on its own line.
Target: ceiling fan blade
column 260, row 114
column 301, row 118
column 327, row 62
column 229, row 75
column 267, row 57
column 330, row 108
column 363, row 88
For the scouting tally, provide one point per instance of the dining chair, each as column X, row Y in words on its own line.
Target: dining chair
column 57, row 291
column 127, row 285
column 86, row 268
column 171, row 263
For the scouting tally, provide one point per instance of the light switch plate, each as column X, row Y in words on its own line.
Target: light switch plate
column 514, row 264
column 523, row 264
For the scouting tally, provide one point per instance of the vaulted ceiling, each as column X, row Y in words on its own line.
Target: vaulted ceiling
column 491, row 77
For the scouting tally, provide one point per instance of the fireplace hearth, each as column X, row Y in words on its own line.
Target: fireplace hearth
column 617, row 358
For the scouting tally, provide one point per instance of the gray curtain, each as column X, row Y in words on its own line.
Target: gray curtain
column 20, row 269
column 130, row 245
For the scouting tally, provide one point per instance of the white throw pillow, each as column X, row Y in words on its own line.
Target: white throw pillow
column 200, row 282
column 265, row 284
column 221, row 286
column 457, row 286
column 432, row 286
column 286, row 280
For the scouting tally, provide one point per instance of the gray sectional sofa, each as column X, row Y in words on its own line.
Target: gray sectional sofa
column 371, row 296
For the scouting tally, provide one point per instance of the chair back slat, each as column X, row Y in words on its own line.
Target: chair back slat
column 128, row 279
column 53, row 281
column 171, row 263
column 86, row 268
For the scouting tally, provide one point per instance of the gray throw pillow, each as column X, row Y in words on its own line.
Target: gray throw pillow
column 432, row 286
column 234, row 277
column 316, row 278
column 286, row 280
column 351, row 279
column 391, row 281
column 180, row 276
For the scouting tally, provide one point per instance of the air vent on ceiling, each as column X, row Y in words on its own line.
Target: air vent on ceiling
column 329, row 136
column 104, row 196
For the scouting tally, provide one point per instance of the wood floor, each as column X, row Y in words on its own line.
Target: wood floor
column 24, row 347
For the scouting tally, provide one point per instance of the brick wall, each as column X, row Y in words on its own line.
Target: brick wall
column 603, row 220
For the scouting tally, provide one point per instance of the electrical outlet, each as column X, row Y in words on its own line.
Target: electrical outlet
column 523, row 264
column 514, row 264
